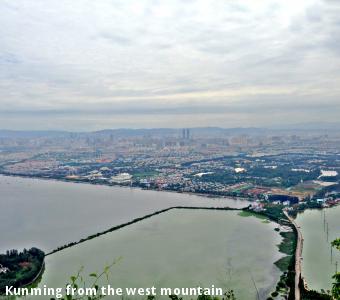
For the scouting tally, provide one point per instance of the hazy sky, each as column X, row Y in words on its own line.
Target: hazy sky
column 84, row 65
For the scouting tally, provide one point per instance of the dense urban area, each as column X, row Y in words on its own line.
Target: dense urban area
column 278, row 167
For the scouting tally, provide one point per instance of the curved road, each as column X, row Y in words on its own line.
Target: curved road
column 298, row 257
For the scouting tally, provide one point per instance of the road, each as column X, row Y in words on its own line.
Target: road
column 298, row 257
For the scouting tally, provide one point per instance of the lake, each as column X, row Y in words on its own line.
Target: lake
column 318, row 266
column 48, row 213
column 180, row 248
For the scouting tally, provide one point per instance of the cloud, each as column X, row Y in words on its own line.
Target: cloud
column 239, row 59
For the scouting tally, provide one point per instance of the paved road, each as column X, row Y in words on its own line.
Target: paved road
column 298, row 257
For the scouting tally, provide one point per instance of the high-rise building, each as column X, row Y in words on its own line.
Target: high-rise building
column 185, row 134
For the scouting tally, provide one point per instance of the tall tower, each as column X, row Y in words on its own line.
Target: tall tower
column 187, row 134
column 183, row 133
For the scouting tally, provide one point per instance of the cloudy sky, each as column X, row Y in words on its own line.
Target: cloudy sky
column 85, row 65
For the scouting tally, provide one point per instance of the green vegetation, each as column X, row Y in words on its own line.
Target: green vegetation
column 145, row 174
column 336, row 277
column 271, row 212
column 20, row 268
column 274, row 213
column 288, row 244
column 283, row 263
column 314, row 295
column 248, row 213
column 336, row 244
column 286, row 264
column 281, row 176
column 307, row 205
column 222, row 177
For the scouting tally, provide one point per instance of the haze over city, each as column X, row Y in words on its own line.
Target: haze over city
column 170, row 149
column 88, row 65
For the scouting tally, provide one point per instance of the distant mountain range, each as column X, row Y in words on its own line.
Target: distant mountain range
column 314, row 126
column 197, row 131
column 4, row 133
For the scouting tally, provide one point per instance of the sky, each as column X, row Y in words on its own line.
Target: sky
column 88, row 65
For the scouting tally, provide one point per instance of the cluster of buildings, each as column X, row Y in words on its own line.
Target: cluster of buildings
column 208, row 161
column 328, row 201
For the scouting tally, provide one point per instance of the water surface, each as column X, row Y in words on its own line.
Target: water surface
column 318, row 264
column 48, row 213
column 180, row 248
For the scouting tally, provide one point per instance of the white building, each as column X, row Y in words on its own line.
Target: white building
column 103, row 169
column 121, row 178
column 327, row 173
column 286, row 203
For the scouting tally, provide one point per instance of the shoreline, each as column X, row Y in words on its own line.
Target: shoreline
column 298, row 257
column 41, row 272
column 309, row 288
column 33, row 281
column 245, row 209
column 117, row 227
column 207, row 195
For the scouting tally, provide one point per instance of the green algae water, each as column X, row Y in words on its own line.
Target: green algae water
column 319, row 262
column 180, row 248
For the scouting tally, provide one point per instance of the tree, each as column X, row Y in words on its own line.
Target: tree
column 336, row 244
column 336, row 277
